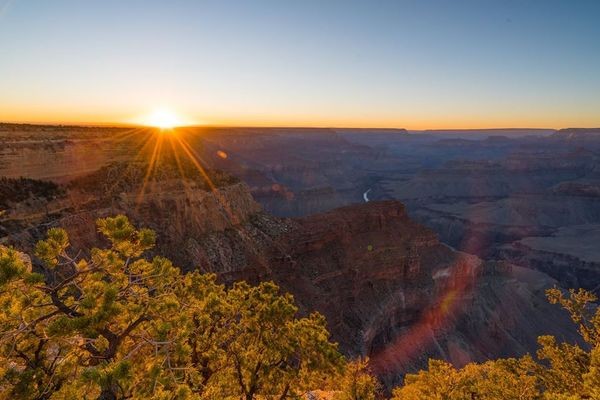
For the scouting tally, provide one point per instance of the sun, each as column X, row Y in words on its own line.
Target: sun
column 163, row 118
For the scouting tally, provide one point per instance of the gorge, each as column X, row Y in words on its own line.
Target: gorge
column 389, row 288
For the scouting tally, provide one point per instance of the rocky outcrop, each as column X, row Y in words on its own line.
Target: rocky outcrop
column 392, row 291
column 388, row 287
column 178, row 216
column 570, row 255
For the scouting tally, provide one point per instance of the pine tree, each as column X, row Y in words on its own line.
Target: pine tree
column 116, row 325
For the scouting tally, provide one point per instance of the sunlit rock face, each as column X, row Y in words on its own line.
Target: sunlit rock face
column 62, row 153
column 179, row 216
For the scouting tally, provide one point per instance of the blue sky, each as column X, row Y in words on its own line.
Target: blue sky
column 415, row 64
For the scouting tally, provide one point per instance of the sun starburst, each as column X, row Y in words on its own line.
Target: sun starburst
column 163, row 118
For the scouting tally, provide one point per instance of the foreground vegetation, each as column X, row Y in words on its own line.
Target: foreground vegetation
column 116, row 325
column 561, row 371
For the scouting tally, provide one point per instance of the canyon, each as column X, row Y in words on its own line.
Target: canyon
column 448, row 259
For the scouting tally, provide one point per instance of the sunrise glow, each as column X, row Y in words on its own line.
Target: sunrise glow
column 162, row 118
column 472, row 65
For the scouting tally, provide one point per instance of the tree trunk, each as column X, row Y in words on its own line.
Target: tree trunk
column 107, row 394
column 285, row 392
column 250, row 394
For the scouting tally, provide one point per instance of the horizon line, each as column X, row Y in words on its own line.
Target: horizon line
column 133, row 125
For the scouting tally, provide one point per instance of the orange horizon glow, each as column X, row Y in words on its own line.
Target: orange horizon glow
column 410, row 124
column 178, row 113
column 185, row 112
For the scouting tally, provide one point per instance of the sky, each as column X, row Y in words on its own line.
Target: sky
column 416, row 64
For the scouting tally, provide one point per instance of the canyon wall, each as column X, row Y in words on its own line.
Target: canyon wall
column 387, row 285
